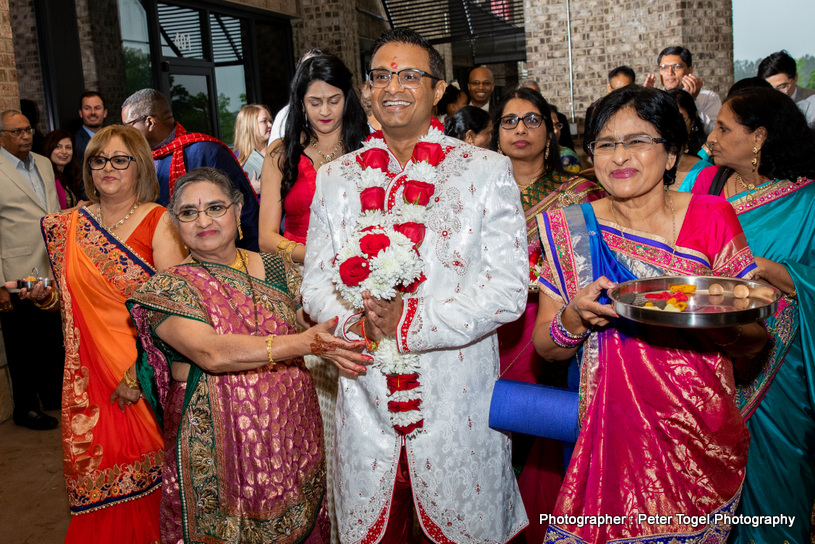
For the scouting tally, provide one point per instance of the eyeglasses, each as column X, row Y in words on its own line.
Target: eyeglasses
column 409, row 78
column 481, row 83
column 531, row 120
column 671, row 67
column 20, row 131
column 189, row 215
column 136, row 120
column 119, row 162
column 633, row 144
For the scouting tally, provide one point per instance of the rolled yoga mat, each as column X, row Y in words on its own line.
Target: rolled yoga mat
column 530, row 408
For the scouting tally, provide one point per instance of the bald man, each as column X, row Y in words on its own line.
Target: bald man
column 480, row 86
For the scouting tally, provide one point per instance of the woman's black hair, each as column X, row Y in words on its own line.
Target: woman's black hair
column 565, row 139
column 654, row 106
column 298, row 132
column 697, row 135
column 450, row 96
column 466, row 119
column 72, row 172
column 789, row 150
column 749, row 83
column 553, row 163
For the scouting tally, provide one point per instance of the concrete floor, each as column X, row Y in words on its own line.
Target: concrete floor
column 33, row 504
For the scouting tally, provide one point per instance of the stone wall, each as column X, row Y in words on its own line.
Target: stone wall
column 330, row 25
column 609, row 34
column 9, row 99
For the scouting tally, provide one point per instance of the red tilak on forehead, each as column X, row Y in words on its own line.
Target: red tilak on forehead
column 393, row 64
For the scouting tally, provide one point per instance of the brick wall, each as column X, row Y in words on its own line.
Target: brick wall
column 19, row 21
column 285, row 7
column 100, row 43
column 330, row 25
column 9, row 99
column 633, row 32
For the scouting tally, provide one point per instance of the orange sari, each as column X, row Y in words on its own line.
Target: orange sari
column 112, row 460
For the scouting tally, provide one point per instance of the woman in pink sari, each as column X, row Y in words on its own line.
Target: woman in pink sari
column 221, row 365
column 661, row 434
column 523, row 130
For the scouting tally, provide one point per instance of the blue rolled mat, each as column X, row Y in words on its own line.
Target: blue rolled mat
column 530, row 408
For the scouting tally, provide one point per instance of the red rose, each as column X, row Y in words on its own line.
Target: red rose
column 402, row 382
column 414, row 231
column 407, row 429
column 354, row 270
column 425, row 151
column 413, row 286
column 374, row 157
column 534, row 259
column 418, row 192
column 372, row 198
column 372, row 244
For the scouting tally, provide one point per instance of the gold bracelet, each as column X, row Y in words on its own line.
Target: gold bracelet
column 281, row 245
column 132, row 383
column 269, row 341
column 290, row 250
column 793, row 294
column 51, row 303
column 733, row 341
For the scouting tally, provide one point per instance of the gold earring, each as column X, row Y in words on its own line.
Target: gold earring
column 546, row 153
column 755, row 158
column 240, row 232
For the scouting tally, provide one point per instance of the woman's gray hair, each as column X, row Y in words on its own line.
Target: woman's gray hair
column 204, row 173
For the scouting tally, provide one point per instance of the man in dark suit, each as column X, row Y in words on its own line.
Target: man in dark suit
column 92, row 111
column 32, row 337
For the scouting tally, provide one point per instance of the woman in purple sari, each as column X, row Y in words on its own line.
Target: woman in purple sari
column 221, row 365
column 662, row 444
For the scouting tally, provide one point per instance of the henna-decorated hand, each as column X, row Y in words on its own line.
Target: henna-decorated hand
column 346, row 356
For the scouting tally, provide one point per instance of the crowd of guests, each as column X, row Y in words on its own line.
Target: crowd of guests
column 218, row 384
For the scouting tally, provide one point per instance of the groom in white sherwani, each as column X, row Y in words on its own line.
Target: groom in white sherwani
column 411, row 430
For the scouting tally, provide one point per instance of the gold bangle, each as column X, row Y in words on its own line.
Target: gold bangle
column 290, row 250
column 793, row 294
column 269, row 341
column 282, row 245
column 733, row 341
column 52, row 302
column 132, row 383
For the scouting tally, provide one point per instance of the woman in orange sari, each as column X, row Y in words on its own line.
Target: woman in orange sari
column 100, row 254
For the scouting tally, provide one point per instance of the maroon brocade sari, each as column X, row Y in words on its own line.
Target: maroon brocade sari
column 244, row 450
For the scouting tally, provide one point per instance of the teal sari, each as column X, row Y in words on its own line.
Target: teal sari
column 779, row 222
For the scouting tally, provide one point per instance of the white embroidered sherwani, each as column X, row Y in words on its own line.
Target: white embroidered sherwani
column 476, row 266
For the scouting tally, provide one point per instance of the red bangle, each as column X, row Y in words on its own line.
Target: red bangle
column 370, row 345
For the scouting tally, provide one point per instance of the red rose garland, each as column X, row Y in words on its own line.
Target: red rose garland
column 371, row 257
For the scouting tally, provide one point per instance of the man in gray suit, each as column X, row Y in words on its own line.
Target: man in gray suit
column 33, row 337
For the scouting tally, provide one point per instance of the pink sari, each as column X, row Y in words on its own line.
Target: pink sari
column 244, row 450
column 661, row 433
column 541, row 459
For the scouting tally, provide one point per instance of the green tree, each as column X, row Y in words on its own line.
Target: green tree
column 138, row 74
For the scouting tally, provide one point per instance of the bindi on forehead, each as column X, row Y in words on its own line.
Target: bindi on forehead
column 393, row 64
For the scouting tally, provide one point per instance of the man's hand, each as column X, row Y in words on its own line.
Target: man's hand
column 5, row 300
column 650, row 80
column 692, row 84
column 384, row 315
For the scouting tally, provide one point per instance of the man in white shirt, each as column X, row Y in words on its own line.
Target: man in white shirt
column 412, row 432
column 676, row 71
column 780, row 71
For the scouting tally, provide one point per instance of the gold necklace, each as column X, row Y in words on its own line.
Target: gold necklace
column 329, row 157
column 238, row 264
column 630, row 244
column 98, row 217
column 748, row 186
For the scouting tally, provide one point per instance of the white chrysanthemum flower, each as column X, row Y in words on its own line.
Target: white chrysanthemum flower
column 403, row 419
column 404, row 396
column 371, row 218
column 434, row 136
column 371, row 177
column 412, row 213
column 422, row 171
column 375, row 142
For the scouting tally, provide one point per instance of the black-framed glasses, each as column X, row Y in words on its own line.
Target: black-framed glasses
column 188, row 215
column 633, row 144
column 409, row 78
column 136, row 120
column 118, row 162
column 531, row 120
column 20, row 131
